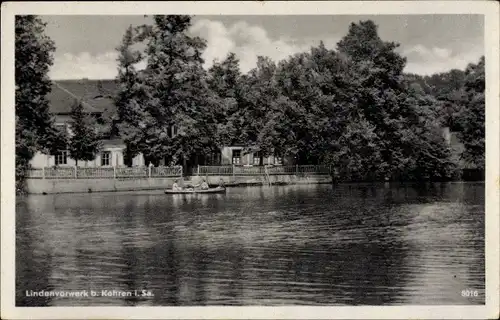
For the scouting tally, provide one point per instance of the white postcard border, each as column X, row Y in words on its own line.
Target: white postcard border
column 490, row 9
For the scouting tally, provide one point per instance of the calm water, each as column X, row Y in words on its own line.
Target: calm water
column 287, row 245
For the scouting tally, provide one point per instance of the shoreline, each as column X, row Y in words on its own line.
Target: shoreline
column 80, row 186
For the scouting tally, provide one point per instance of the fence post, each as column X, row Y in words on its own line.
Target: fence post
column 149, row 170
column 233, row 170
column 198, row 172
column 76, row 172
column 296, row 169
column 43, row 172
column 114, row 172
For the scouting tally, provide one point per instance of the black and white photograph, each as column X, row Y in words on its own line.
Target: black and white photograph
column 183, row 158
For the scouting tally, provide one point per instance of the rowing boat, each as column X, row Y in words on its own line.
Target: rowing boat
column 211, row 190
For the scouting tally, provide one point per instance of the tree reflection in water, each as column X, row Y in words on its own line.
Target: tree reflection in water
column 281, row 245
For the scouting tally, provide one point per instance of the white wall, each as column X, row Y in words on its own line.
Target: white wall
column 138, row 161
column 227, row 157
column 41, row 160
column 49, row 186
column 116, row 157
column 446, row 134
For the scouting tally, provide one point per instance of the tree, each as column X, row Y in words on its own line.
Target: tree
column 130, row 97
column 34, row 124
column 171, row 92
column 446, row 89
column 259, row 94
column 472, row 116
column 262, row 119
column 358, row 154
column 224, row 77
column 321, row 84
column 400, row 123
column 225, row 81
column 459, row 105
column 84, row 142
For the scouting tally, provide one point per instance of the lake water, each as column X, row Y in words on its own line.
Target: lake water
column 283, row 245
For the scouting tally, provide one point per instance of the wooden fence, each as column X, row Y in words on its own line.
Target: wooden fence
column 104, row 172
column 262, row 170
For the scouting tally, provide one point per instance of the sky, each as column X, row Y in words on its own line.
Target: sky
column 431, row 43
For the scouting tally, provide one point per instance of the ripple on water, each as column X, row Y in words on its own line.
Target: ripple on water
column 294, row 245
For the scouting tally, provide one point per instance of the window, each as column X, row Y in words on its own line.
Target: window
column 106, row 158
column 61, row 127
column 256, row 159
column 213, row 159
column 210, row 159
column 236, row 156
column 172, row 131
column 217, row 158
column 99, row 119
column 278, row 160
column 61, row 158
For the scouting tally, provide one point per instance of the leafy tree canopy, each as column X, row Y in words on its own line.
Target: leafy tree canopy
column 34, row 124
column 85, row 139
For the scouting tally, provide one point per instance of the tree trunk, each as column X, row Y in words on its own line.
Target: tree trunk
column 127, row 157
column 184, row 165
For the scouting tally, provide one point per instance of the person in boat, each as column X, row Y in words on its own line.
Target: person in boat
column 204, row 185
column 176, row 187
column 221, row 183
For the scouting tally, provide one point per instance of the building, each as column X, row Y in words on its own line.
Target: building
column 236, row 155
column 96, row 100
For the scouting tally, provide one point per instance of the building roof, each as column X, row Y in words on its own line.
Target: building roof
column 113, row 143
column 95, row 95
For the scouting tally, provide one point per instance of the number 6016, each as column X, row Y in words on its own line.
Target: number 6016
column 469, row 293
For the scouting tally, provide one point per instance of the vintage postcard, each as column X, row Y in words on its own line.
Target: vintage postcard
column 250, row 160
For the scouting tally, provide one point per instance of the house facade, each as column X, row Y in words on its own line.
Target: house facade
column 96, row 98
column 110, row 155
column 237, row 155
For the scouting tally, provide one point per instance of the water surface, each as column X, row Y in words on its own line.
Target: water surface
column 283, row 245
